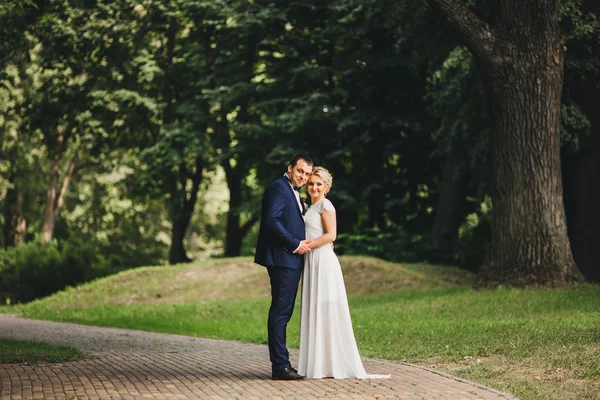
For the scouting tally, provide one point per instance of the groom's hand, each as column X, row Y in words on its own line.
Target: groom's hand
column 303, row 247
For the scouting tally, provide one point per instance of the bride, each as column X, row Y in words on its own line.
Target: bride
column 327, row 345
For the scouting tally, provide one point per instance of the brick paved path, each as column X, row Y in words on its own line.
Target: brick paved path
column 126, row 364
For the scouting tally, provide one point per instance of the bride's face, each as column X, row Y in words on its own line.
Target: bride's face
column 316, row 187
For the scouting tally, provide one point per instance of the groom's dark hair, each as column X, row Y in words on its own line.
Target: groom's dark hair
column 300, row 156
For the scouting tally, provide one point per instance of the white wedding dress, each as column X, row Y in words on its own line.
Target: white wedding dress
column 327, row 344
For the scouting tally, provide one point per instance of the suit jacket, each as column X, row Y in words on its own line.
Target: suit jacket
column 281, row 227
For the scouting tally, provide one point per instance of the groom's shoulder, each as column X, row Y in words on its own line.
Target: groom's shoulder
column 274, row 187
column 277, row 182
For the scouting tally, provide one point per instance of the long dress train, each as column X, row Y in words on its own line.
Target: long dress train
column 327, row 344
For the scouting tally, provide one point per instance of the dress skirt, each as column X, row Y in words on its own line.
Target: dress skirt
column 327, row 344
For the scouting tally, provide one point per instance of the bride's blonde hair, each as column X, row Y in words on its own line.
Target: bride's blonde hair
column 325, row 175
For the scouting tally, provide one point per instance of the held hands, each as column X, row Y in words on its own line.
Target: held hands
column 304, row 247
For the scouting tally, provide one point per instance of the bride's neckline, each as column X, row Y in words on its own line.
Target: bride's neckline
column 321, row 199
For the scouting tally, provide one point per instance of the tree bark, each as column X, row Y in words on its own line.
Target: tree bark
column 182, row 209
column 54, row 196
column 177, row 253
column 15, row 223
column 233, row 237
column 521, row 65
column 235, row 230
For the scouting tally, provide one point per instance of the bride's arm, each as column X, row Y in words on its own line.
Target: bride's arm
column 329, row 227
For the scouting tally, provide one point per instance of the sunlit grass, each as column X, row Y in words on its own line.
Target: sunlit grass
column 241, row 279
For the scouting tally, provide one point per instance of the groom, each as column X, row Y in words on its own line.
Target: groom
column 280, row 247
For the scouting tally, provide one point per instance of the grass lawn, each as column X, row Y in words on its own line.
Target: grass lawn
column 17, row 352
column 534, row 343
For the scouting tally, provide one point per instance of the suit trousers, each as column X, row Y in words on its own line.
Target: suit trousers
column 284, row 287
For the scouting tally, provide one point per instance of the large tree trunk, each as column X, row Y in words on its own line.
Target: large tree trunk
column 521, row 64
column 529, row 233
column 177, row 252
column 181, row 215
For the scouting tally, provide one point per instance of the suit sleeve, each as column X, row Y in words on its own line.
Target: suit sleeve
column 275, row 203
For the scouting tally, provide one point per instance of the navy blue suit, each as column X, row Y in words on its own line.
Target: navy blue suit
column 281, row 231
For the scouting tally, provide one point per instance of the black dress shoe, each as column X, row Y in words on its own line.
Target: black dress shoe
column 286, row 374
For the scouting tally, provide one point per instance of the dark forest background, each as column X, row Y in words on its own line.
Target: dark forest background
column 143, row 132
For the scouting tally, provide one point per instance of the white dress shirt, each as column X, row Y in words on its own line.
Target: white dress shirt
column 297, row 200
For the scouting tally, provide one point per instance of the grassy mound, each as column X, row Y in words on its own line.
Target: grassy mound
column 240, row 279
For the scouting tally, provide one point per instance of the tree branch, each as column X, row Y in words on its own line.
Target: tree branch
column 196, row 180
column 60, row 199
column 245, row 228
column 478, row 36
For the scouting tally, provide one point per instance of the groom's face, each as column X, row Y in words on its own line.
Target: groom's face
column 299, row 173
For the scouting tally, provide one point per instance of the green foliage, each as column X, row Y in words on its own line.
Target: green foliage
column 397, row 245
column 393, row 245
column 580, row 21
column 575, row 126
column 35, row 270
column 473, row 238
column 108, row 210
column 455, row 98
